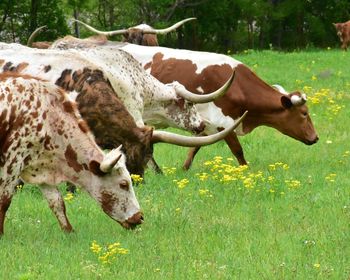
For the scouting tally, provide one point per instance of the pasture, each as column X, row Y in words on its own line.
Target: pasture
column 286, row 216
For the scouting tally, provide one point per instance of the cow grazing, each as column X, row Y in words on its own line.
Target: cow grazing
column 142, row 34
column 44, row 141
column 343, row 32
column 202, row 72
column 106, row 115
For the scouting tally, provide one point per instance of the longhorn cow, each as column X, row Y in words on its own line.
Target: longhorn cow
column 95, row 89
column 44, row 141
column 201, row 72
column 141, row 34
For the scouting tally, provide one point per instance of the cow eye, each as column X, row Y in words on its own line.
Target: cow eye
column 124, row 185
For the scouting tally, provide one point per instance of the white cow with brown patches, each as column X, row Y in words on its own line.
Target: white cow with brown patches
column 44, row 141
column 95, row 80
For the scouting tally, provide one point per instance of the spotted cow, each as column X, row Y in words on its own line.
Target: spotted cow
column 202, row 72
column 343, row 32
column 44, row 141
column 99, row 93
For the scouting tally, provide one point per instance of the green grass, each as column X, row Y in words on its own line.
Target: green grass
column 291, row 223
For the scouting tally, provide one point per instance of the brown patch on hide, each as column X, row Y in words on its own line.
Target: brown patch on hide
column 94, row 167
column 108, row 202
column 47, row 68
column 83, row 126
column 72, row 159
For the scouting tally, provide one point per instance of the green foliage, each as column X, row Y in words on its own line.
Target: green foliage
column 285, row 217
column 221, row 25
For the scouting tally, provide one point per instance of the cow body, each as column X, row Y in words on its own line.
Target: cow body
column 86, row 83
column 343, row 32
column 101, row 93
column 201, row 72
column 44, row 141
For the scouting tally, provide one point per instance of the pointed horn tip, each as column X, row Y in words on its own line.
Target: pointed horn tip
column 111, row 159
column 242, row 117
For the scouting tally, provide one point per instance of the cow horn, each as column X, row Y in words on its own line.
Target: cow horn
column 106, row 33
column 190, row 141
column 298, row 100
column 205, row 98
column 110, row 159
column 34, row 34
column 167, row 30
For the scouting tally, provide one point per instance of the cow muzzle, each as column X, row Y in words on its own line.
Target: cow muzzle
column 311, row 142
column 133, row 221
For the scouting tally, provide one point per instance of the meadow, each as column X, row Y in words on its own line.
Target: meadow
column 284, row 216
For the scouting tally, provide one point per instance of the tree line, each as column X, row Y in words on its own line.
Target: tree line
column 221, row 25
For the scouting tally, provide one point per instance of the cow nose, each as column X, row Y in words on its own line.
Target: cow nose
column 311, row 142
column 136, row 219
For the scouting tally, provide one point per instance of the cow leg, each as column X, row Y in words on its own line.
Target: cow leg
column 190, row 156
column 154, row 165
column 236, row 148
column 5, row 201
column 56, row 203
column 7, row 189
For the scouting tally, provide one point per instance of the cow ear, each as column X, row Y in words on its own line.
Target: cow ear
column 145, row 134
column 94, row 167
column 286, row 102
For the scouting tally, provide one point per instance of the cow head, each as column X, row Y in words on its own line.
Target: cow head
column 339, row 27
column 114, row 190
column 295, row 120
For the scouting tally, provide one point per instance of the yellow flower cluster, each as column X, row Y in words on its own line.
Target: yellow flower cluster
column 277, row 165
column 242, row 176
column 106, row 254
column 327, row 97
column 169, row 170
column 205, row 192
column 182, row 183
column 331, row 177
column 137, row 179
column 69, row 196
column 293, row 184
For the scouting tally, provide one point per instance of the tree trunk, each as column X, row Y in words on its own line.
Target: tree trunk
column 76, row 25
column 33, row 22
column 6, row 14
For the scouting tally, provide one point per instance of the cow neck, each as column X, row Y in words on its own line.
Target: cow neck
column 249, row 92
column 257, row 96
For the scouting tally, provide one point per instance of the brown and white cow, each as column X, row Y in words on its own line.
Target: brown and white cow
column 343, row 32
column 44, row 141
column 202, row 72
column 108, row 118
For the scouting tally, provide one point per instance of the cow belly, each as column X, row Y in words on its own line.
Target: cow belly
column 214, row 118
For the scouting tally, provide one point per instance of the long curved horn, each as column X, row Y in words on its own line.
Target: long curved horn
column 204, row 98
column 110, row 160
column 34, row 34
column 167, row 30
column 106, row 33
column 190, row 141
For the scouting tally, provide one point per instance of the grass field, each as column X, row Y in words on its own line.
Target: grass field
column 287, row 216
